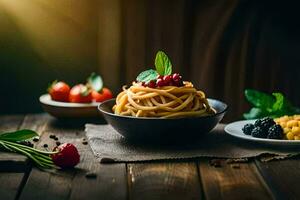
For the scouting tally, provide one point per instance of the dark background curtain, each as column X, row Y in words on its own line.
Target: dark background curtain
column 222, row 46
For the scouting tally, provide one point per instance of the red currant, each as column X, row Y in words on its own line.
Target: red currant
column 178, row 82
column 159, row 77
column 167, row 79
column 176, row 77
column 152, row 84
column 160, row 82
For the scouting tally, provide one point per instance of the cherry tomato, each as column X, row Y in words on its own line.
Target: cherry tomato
column 59, row 91
column 80, row 94
column 103, row 95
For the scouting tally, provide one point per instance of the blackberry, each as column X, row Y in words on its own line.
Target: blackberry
column 259, row 132
column 247, row 129
column 264, row 123
column 275, row 132
column 257, row 123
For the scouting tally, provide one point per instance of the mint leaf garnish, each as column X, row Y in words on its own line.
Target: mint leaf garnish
column 95, row 81
column 163, row 64
column 147, row 76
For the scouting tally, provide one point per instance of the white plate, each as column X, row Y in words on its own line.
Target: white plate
column 69, row 110
column 235, row 129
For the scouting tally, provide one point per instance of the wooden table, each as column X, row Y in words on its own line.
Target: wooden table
column 194, row 179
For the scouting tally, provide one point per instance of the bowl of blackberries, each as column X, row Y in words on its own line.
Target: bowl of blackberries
column 264, row 128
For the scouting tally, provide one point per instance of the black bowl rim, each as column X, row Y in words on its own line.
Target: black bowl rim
column 155, row 118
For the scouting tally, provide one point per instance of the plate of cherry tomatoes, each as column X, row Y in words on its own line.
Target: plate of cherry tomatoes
column 78, row 101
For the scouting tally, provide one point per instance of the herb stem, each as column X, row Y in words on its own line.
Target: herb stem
column 30, row 148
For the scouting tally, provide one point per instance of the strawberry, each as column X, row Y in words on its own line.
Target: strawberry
column 67, row 156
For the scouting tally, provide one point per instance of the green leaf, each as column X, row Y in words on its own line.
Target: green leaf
column 18, row 135
column 254, row 113
column 281, row 102
column 163, row 64
column 259, row 99
column 95, row 81
column 147, row 76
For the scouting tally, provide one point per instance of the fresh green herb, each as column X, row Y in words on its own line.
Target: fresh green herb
column 254, row 113
column 18, row 135
column 163, row 67
column 95, row 82
column 259, row 99
column 9, row 141
column 147, row 76
column 275, row 105
column 163, row 64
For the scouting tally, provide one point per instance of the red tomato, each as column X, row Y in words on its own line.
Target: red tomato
column 80, row 94
column 59, row 91
column 105, row 94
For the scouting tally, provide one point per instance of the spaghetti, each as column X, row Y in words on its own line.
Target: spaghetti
column 162, row 102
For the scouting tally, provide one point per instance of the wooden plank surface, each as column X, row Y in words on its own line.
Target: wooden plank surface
column 10, row 163
column 109, row 183
column 163, row 181
column 232, row 181
column 155, row 180
column 14, row 162
column 10, row 184
column 282, row 177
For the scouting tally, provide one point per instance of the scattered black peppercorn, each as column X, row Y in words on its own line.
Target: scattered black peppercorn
column 45, row 145
column 84, row 142
column 58, row 143
column 35, row 139
column 56, row 138
column 52, row 136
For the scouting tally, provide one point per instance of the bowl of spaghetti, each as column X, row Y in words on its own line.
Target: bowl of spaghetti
column 159, row 105
column 166, row 113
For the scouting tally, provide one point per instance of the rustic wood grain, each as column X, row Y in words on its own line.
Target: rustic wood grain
column 11, row 162
column 36, row 122
column 9, row 185
column 10, row 123
column 232, row 181
column 282, row 177
column 109, row 183
column 163, row 181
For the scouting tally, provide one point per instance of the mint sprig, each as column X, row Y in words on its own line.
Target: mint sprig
column 8, row 141
column 275, row 105
column 163, row 67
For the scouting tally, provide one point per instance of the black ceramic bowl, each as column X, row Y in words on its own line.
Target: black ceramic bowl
column 144, row 128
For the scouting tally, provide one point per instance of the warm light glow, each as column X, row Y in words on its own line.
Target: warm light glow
column 55, row 29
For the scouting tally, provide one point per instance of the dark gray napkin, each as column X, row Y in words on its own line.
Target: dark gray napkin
column 109, row 146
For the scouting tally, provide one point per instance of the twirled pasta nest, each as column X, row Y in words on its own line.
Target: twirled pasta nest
column 163, row 102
